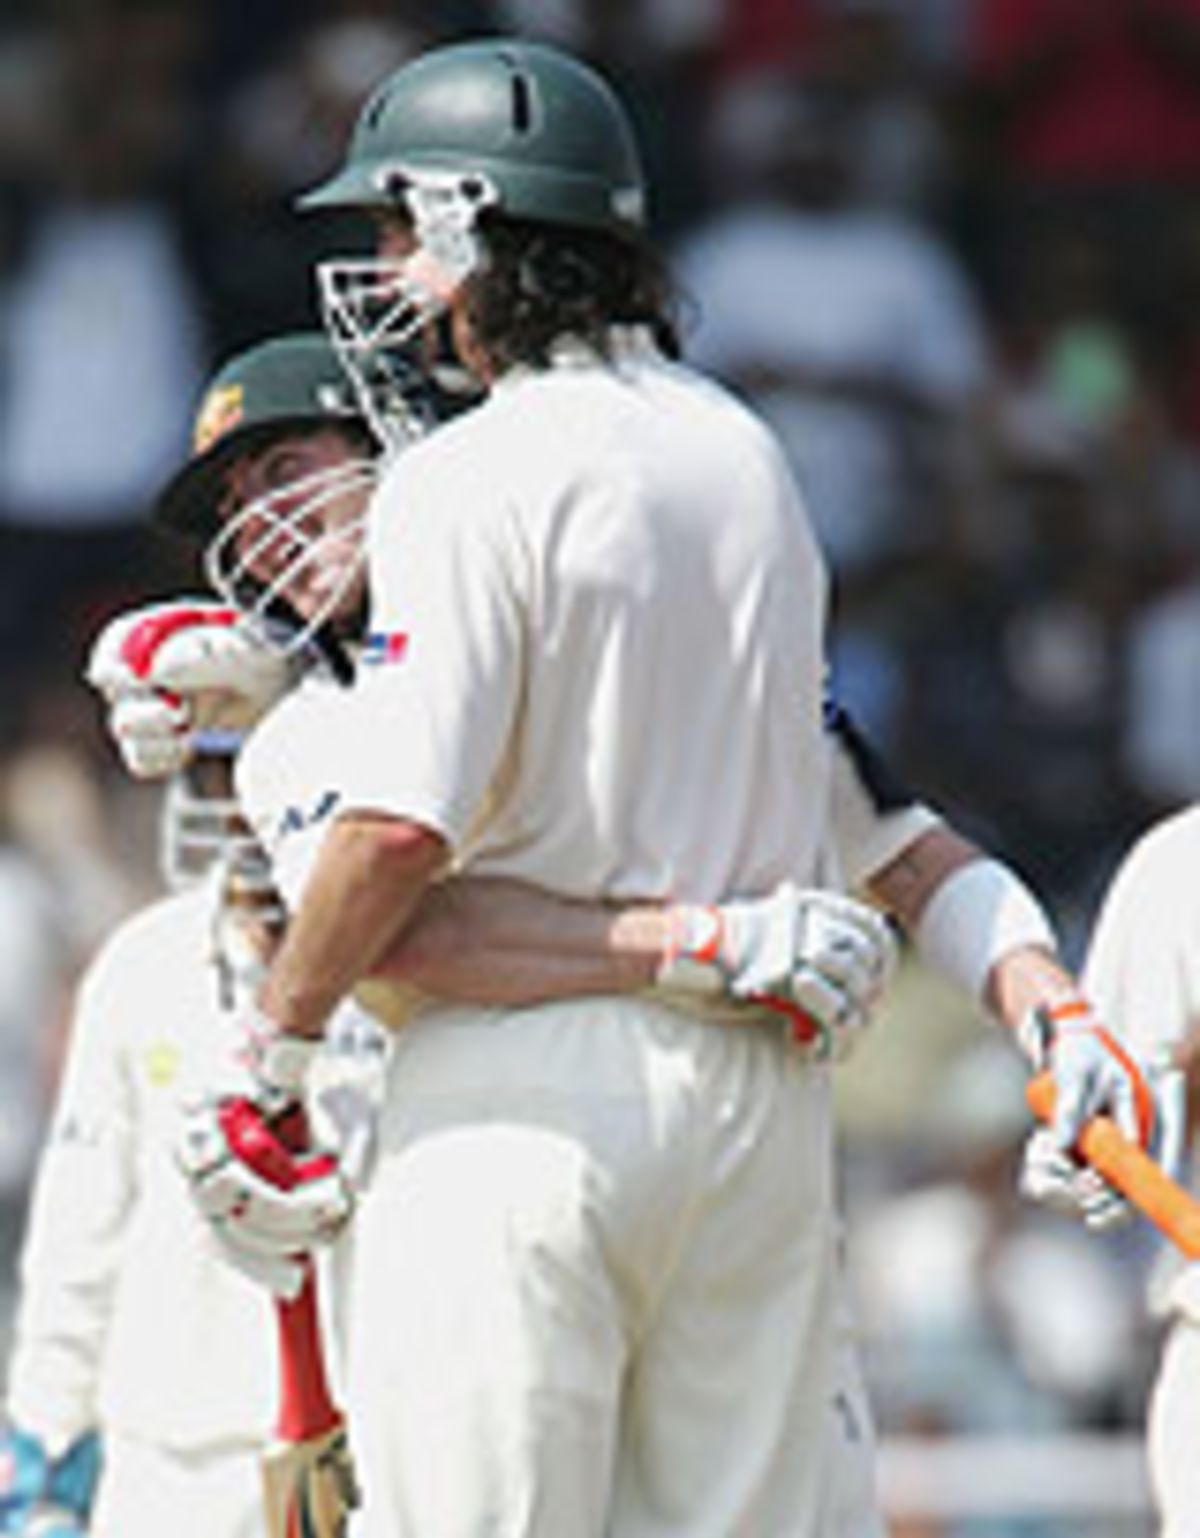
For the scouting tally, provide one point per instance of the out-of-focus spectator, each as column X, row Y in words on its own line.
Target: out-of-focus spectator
column 1017, row 657
column 852, row 330
column 978, row 1313
column 98, row 308
column 1180, row 347
column 41, row 949
column 63, row 817
column 1091, row 114
column 660, row 55
column 754, row 33
column 33, row 977
column 867, row 51
column 279, row 131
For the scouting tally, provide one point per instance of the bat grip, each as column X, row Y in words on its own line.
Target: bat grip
column 1102, row 1144
column 306, row 1407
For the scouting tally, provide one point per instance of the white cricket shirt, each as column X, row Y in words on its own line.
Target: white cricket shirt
column 128, row 1313
column 595, row 657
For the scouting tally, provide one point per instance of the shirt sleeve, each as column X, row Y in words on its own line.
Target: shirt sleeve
column 874, row 814
column 1142, row 969
column 82, row 1194
column 439, row 688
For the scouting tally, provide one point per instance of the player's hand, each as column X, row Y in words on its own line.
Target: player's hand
column 44, row 1497
column 1096, row 1074
column 169, row 669
column 818, row 958
column 1056, row 1179
column 270, row 1195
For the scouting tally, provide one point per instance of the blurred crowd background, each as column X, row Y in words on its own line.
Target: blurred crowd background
column 951, row 248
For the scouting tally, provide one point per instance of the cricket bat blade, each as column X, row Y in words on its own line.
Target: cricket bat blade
column 309, row 1488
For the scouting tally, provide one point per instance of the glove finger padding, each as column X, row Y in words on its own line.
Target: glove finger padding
column 826, row 964
column 1093, row 1073
column 820, row 959
column 151, row 731
column 230, row 661
column 265, row 1198
column 201, row 657
column 1057, row 1180
column 1096, row 1074
column 281, row 1274
column 123, row 653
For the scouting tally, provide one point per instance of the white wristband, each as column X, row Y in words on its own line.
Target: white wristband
column 980, row 913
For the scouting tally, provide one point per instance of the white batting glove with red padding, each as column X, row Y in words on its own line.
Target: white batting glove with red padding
column 271, row 1196
column 1096, row 1074
column 818, row 958
column 169, row 669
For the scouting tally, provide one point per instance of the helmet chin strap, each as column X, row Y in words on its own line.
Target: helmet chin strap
column 445, row 208
column 373, row 307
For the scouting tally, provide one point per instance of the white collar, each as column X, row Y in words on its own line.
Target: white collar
column 627, row 345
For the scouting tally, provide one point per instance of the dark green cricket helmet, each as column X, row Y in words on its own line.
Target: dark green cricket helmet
column 295, row 380
column 540, row 130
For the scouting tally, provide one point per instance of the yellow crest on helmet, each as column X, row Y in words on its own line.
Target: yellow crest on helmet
column 219, row 414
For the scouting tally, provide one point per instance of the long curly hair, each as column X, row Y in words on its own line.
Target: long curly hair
column 542, row 282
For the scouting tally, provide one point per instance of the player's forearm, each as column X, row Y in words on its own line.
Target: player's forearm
column 366, row 884
column 1026, row 978
column 905, row 885
column 493, row 941
column 975, row 921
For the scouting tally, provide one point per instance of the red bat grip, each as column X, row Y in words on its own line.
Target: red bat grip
column 306, row 1407
column 1102, row 1144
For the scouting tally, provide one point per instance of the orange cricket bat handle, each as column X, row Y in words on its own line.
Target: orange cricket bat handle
column 306, row 1407
column 1172, row 1209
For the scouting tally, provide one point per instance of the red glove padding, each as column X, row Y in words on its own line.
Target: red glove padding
column 168, row 669
column 270, row 1195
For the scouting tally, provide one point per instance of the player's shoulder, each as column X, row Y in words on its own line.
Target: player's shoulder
column 156, row 931
column 446, row 468
column 1168, row 849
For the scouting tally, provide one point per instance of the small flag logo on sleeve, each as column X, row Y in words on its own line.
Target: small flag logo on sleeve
column 385, row 646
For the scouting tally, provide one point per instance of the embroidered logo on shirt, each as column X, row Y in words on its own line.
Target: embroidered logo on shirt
column 384, row 646
column 161, row 1063
column 296, row 818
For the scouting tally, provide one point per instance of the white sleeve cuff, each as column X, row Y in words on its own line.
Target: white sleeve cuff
column 979, row 914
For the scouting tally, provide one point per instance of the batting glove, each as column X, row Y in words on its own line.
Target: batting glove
column 270, row 1195
column 1096, row 1074
column 169, row 669
column 819, row 959
column 44, row 1497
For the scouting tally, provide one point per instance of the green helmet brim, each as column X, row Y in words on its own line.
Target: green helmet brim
column 288, row 382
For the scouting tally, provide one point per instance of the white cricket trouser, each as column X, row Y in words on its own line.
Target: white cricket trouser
column 852, row 1507
column 594, row 1281
column 148, row 1492
column 1173, row 1431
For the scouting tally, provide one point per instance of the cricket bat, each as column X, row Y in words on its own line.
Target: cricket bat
column 1102, row 1144
column 309, row 1489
